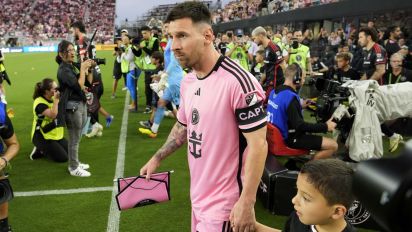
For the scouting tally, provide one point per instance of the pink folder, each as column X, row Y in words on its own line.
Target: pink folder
column 137, row 191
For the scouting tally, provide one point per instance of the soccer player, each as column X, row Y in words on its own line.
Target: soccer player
column 222, row 119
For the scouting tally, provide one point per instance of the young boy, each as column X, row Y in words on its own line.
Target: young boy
column 324, row 195
column 257, row 70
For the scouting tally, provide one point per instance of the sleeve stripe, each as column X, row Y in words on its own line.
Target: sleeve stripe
column 182, row 123
column 243, row 73
column 237, row 77
column 254, row 128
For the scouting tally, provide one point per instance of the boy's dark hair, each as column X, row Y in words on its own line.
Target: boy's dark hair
column 145, row 28
column 370, row 32
column 261, row 52
column 332, row 178
column 80, row 25
column 196, row 11
column 157, row 55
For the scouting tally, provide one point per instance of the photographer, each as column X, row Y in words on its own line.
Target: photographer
column 117, row 67
column 85, row 50
column 285, row 112
column 133, row 73
column 45, row 134
column 8, row 138
column 147, row 46
column 238, row 50
column 72, row 105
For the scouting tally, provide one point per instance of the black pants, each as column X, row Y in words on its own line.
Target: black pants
column 55, row 150
column 147, row 90
column 386, row 130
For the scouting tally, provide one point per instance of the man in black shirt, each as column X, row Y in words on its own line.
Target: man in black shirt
column 274, row 63
column 344, row 71
column 392, row 35
column 374, row 55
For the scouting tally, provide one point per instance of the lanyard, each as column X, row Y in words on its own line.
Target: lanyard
column 397, row 80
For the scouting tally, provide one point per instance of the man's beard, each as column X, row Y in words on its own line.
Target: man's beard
column 76, row 37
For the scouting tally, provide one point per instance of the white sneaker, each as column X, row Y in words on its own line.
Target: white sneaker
column 80, row 172
column 95, row 129
column 124, row 88
column 84, row 166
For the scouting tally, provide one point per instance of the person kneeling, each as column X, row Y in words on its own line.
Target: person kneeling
column 46, row 135
column 324, row 195
column 285, row 112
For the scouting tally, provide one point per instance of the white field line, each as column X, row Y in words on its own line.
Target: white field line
column 114, row 215
column 62, row 191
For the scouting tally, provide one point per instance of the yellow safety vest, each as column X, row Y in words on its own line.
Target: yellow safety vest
column 145, row 58
column 299, row 56
column 55, row 134
column 239, row 55
column 124, row 64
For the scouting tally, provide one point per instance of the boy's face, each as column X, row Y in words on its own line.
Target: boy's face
column 259, row 58
column 342, row 63
column 310, row 205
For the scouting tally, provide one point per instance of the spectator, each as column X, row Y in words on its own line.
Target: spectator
column 391, row 40
column 46, row 135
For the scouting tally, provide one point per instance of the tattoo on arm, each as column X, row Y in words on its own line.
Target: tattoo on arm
column 177, row 137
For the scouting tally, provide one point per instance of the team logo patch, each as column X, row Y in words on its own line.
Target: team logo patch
column 357, row 214
column 195, row 142
column 251, row 99
column 195, row 116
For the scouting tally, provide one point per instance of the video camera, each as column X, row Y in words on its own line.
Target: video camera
column 90, row 54
column 385, row 188
column 332, row 95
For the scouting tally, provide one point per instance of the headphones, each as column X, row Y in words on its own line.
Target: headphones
column 298, row 75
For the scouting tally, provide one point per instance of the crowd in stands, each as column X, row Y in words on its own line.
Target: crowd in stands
column 43, row 20
column 245, row 9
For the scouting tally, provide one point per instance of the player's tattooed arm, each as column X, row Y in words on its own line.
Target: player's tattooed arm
column 177, row 137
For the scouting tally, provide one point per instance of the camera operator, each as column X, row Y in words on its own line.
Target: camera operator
column 72, row 106
column 397, row 74
column 299, row 53
column 133, row 73
column 8, row 138
column 148, row 45
column 343, row 72
column 285, row 112
column 82, row 44
column 238, row 50
column 117, row 67
column 374, row 55
column 46, row 135
column 274, row 63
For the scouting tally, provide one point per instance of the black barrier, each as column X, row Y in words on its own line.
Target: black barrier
column 342, row 9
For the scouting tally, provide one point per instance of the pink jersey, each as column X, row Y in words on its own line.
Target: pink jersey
column 216, row 110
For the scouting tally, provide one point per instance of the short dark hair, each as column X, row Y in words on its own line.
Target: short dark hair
column 370, row 32
column 145, row 28
column 196, row 11
column 80, row 25
column 332, row 178
column 261, row 52
column 157, row 55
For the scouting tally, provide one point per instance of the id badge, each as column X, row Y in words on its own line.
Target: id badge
column 147, row 60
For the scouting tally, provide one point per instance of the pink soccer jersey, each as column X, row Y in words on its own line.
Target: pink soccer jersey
column 216, row 110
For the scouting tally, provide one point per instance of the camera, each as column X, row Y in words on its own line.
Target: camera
column 385, row 188
column 100, row 61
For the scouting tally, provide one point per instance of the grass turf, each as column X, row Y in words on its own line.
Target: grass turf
column 89, row 211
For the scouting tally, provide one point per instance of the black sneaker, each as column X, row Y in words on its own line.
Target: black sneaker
column 36, row 154
column 148, row 110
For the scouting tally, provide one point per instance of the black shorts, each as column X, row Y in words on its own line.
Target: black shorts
column 305, row 141
column 117, row 76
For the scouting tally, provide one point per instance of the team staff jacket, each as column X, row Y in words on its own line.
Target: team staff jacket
column 285, row 112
